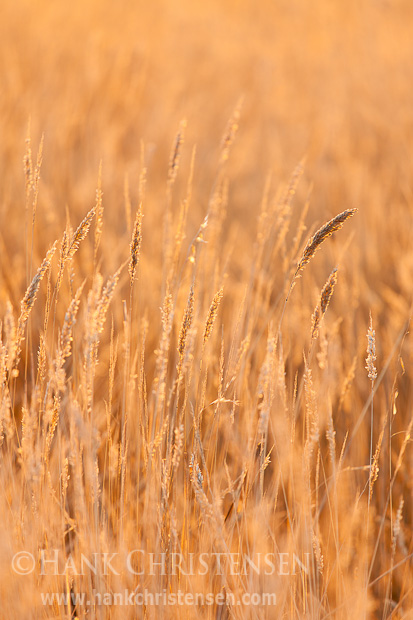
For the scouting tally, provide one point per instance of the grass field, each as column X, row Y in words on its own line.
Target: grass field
column 205, row 396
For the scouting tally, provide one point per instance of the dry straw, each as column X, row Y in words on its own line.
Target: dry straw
column 230, row 132
column 186, row 326
column 81, row 232
column 397, row 526
column 64, row 246
column 321, row 308
column 321, row 235
column 135, row 246
column 374, row 469
column 315, row 242
column 371, row 352
column 30, row 297
column 28, row 165
column 99, row 212
column 105, row 299
column 66, row 338
column 212, row 314
column 176, row 154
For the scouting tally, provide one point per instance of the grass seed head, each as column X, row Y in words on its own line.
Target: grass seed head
column 321, row 235
column 321, row 308
column 135, row 246
column 371, row 352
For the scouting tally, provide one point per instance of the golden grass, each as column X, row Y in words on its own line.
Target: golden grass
column 181, row 411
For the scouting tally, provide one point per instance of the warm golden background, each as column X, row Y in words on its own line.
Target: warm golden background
column 325, row 83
